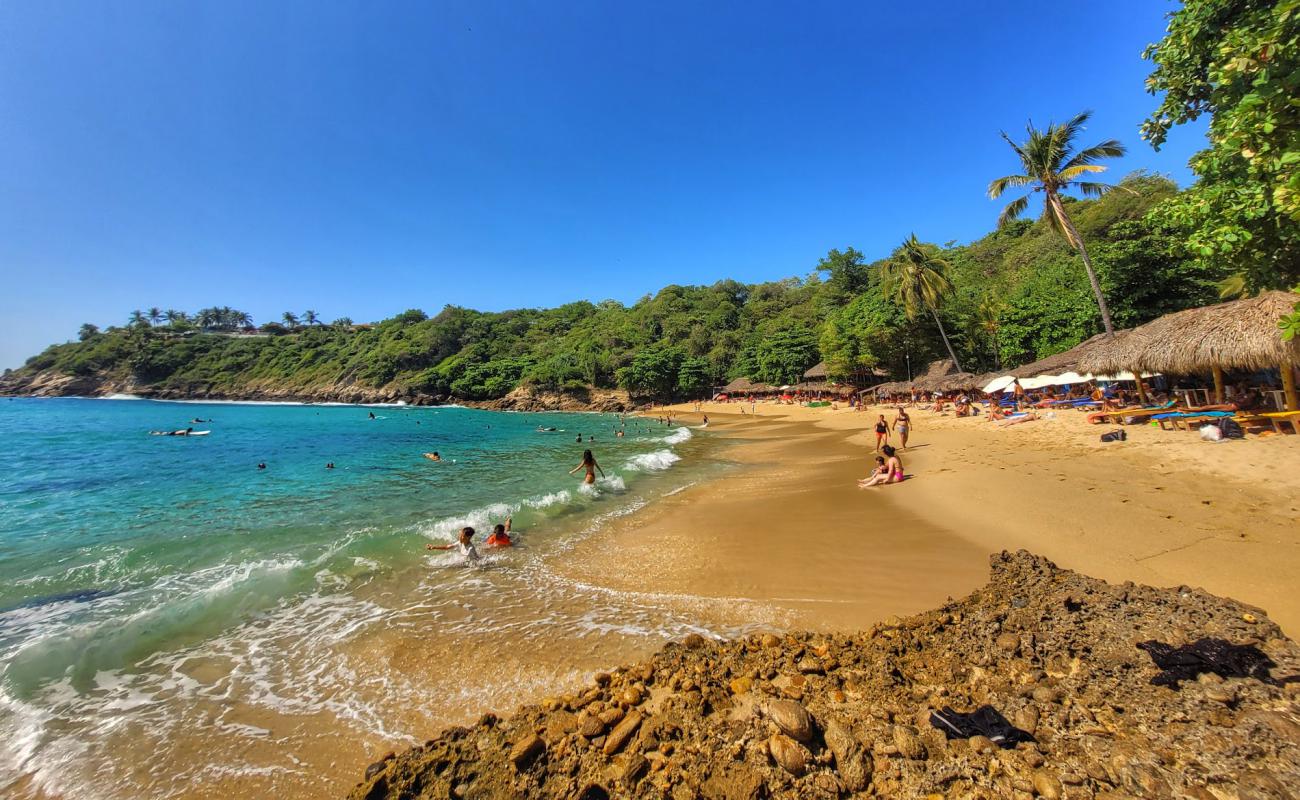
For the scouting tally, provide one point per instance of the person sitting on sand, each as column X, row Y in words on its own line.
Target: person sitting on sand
column 500, row 536
column 878, row 476
column 894, row 464
column 882, row 431
column 588, row 463
column 465, row 542
column 433, row 456
column 996, row 413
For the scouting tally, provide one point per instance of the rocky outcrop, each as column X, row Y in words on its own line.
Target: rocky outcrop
column 54, row 384
column 528, row 398
column 1055, row 653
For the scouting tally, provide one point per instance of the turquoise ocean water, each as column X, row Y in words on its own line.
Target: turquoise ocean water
column 135, row 570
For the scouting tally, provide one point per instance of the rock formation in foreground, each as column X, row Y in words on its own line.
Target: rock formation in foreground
column 1078, row 708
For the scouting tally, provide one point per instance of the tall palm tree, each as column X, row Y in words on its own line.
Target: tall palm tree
column 243, row 319
column 986, row 319
column 309, row 317
column 155, row 315
column 174, row 317
column 138, row 318
column 916, row 277
column 1051, row 168
column 290, row 319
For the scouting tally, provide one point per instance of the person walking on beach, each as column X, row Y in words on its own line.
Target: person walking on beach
column 465, row 542
column 882, row 432
column 902, row 424
column 589, row 464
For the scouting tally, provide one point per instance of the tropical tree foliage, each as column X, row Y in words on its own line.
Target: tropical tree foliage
column 1052, row 167
column 916, row 278
column 1239, row 61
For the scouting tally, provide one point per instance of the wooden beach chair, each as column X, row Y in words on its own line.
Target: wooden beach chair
column 1283, row 419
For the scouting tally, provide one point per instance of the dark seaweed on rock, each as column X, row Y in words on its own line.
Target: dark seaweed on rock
column 1225, row 659
column 847, row 715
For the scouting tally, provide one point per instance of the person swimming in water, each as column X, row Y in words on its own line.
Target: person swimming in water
column 500, row 536
column 372, row 415
column 465, row 542
column 579, row 439
column 433, row 456
column 589, row 464
column 330, row 465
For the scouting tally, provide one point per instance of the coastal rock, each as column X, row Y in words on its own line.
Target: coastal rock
column 787, row 753
column 526, row 750
column 792, row 719
column 1076, row 681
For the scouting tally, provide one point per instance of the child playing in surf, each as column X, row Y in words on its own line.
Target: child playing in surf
column 500, row 536
column 465, row 543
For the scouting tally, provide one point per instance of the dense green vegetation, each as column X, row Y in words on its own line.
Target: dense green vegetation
column 1024, row 291
column 1017, row 294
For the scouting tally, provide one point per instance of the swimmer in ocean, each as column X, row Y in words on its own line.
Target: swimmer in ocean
column 465, row 542
column 500, row 536
column 588, row 463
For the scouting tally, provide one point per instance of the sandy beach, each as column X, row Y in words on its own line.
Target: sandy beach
column 1162, row 508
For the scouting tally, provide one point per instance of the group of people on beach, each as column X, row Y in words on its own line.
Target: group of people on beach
column 902, row 426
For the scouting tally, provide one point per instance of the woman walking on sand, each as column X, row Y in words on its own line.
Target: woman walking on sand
column 588, row 463
column 882, row 432
column 902, row 424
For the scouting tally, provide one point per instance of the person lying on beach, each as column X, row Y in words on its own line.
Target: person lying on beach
column 500, row 536
column 588, row 463
column 878, row 476
column 465, row 542
column 1028, row 416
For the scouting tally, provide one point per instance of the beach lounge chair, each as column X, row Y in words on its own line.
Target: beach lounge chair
column 1283, row 419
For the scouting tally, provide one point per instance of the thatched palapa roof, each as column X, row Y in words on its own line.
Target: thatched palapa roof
column 1066, row 361
column 1240, row 334
column 817, row 372
column 739, row 385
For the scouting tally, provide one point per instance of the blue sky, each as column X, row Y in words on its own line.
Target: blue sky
column 360, row 158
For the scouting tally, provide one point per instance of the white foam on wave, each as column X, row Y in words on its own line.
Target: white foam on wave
column 546, row 500
column 652, row 462
column 678, row 436
column 120, row 396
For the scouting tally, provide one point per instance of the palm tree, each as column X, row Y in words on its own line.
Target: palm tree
column 986, row 319
column 87, row 331
column 155, row 315
column 310, row 317
column 916, row 278
column 243, row 319
column 342, row 322
column 138, row 318
column 1051, row 168
column 175, row 317
column 290, row 319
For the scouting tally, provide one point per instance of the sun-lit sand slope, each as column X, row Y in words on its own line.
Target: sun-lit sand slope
column 1162, row 508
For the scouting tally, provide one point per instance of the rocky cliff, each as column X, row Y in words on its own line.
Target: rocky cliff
column 55, row 384
column 1087, row 690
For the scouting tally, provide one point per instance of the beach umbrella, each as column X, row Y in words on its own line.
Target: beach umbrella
column 999, row 384
column 1070, row 378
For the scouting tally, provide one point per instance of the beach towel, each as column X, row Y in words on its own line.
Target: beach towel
column 1223, row 658
column 984, row 721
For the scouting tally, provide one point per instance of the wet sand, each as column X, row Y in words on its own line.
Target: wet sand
column 791, row 531
column 1162, row 508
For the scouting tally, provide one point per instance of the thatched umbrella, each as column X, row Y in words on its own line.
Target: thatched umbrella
column 739, row 385
column 816, row 373
column 1240, row 334
column 1065, row 361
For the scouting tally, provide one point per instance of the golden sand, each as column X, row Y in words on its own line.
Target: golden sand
column 1163, row 508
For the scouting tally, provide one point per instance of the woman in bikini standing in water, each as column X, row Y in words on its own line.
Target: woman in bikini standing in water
column 589, row 463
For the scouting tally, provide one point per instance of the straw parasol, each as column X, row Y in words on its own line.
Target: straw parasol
column 1239, row 334
column 817, row 372
column 739, row 385
column 1068, row 360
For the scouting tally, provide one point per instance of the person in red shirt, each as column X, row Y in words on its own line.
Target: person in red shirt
column 500, row 535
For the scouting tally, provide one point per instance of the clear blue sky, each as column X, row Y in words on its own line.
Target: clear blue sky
column 360, row 158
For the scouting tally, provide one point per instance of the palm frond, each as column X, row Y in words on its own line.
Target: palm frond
column 1070, row 173
column 1000, row 185
column 1014, row 209
column 1111, row 148
column 1092, row 189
